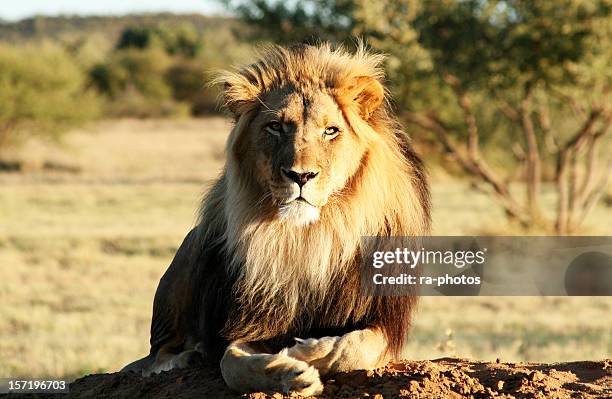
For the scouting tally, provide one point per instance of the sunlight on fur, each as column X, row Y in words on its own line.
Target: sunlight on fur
column 375, row 184
column 299, row 213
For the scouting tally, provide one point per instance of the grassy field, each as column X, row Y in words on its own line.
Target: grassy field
column 88, row 228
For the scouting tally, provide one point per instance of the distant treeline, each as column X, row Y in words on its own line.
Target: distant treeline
column 62, row 27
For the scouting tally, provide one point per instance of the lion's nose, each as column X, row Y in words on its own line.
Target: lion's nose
column 300, row 178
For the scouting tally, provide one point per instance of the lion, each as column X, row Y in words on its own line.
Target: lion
column 267, row 286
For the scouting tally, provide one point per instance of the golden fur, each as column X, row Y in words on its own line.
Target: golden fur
column 288, row 266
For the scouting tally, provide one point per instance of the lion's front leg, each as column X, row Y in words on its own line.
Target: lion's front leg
column 244, row 370
column 358, row 350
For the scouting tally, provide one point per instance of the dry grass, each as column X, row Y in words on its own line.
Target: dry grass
column 81, row 254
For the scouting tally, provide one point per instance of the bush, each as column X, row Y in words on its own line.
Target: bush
column 153, row 73
column 188, row 82
column 133, row 104
column 160, row 70
column 181, row 40
column 41, row 92
column 133, row 80
column 133, row 69
column 136, row 37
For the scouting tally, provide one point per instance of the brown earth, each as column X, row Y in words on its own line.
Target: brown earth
column 442, row 378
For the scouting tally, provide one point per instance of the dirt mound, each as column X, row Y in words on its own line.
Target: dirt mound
column 442, row 378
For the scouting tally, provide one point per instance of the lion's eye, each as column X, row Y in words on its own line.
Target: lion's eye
column 274, row 128
column 331, row 131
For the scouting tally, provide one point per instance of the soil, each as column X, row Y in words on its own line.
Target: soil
column 442, row 378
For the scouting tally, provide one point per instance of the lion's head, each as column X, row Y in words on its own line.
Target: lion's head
column 315, row 161
column 303, row 142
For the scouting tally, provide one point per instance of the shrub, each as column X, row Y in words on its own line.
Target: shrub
column 136, row 37
column 133, row 104
column 181, row 40
column 133, row 80
column 187, row 78
column 41, row 92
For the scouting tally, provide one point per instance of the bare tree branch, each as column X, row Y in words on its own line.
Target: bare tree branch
column 550, row 141
column 508, row 110
column 468, row 116
column 475, row 166
column 533, row 155
column 578, row 184
column 563, row 192
column 577, row 141
column 576, row 108
column 592, row 160
column 574, row 197
column 518, row 151
column 594, row 196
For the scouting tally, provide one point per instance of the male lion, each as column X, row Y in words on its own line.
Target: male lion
column 267, row 284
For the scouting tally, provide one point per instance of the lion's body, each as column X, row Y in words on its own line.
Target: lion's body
column 262, row 269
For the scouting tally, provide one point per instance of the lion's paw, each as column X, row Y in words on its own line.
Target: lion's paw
column 312, row 349
column 293, row 375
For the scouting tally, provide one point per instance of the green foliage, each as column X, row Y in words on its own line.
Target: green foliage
column 136, row 37
column 134, row 81
column 296, row 21
column 141, row 70
column 143, row 65
column 187, row 79
column 182, row 40
column 160, row 71
column 41, row 92
column 501, row 44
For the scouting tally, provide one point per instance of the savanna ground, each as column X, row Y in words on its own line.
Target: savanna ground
column 87, row 229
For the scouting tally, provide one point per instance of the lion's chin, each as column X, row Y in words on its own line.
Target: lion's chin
column 299, row 212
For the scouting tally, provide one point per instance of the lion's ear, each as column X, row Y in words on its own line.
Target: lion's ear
column 367, row 92
column 239, row 93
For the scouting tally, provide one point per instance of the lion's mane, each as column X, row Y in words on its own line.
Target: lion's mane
column 288, row 281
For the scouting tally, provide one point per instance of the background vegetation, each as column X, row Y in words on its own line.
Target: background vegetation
column 56, row 72
column 41, row 92
column 510, row 93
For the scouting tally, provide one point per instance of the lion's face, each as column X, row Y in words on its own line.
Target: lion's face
column 302, row 151
column 303, row 120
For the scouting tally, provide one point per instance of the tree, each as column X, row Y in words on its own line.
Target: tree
column 524, row 83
